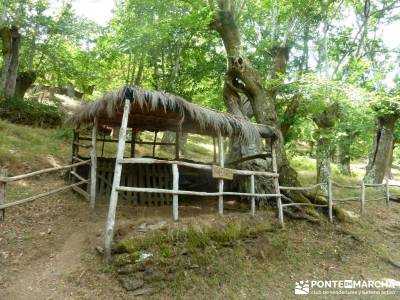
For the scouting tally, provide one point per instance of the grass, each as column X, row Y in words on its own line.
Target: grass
column 25, row 148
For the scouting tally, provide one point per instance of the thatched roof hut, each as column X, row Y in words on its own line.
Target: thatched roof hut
column 161, row 111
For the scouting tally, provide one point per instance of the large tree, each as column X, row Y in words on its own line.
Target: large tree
column 242, row 78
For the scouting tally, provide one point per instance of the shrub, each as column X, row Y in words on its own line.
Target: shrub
column 30, row 112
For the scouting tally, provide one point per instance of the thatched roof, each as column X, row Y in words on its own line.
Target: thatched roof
column 161, row 111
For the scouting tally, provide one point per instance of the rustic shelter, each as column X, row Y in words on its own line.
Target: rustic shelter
column 151, row 180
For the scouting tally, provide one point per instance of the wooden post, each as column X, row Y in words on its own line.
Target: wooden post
column 103, row 144
column 221, row 181
column 177, row 143
column 330, row 200
column 276, row 183
column 133, row 142
column 362, row 197
column 175, row 187
column 252, row 191
column 117, row 178
column 387, row 196
column 215, row 150
column 93, row 165
column 154, row 143
column 3, row 173
column 75, row 150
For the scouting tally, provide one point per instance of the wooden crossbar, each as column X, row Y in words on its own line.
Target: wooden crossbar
column 41, row 195
column 24, row 176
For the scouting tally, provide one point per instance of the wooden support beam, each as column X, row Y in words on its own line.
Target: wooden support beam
column 252, row 199
column 177, row 143
column 133, row 142
column 175, row 187
column 215, row 150
column 25, row 176
column 221, row 181
column 117, row 180
column 154, row 143
column 93, row 165
column 29, row 199
column 276, row 184
column 3, row 173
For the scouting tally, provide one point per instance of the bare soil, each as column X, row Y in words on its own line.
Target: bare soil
column 48, row 251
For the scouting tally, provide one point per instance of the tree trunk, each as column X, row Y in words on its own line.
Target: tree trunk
column 344, row 155
column 139, row 75
column 24, row 82
column 379, row 159
column 242, row 78
column 325, row 121
column 11, row 39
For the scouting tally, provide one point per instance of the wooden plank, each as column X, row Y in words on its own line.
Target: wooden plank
column 303, row 188
column 144, row 160
column 3, row 173
column 129, row 142
column 222, row 173
column 81, row 192
column 116, row 182
column 154, row 143
column 133, row 142
column 252, row 199
column 175, row 187
column 177, row 144
column 193, row 193
column 93, row 168
column 221, row 181
column 276, row 184
column 141, row 182
column 41, row 195
column 24, row 176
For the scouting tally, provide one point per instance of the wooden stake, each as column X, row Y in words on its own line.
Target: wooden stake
column 133, row 142
column 93, row 168
column 117, row 178
column 154, row 143
column 362, row 197
column 221, row 181
column 177, row 143
column 215, row 150
column 330, row 200
column 387, row 196
column 175, row 187
column 252, row 190
column 3, row 173
column 276, row 183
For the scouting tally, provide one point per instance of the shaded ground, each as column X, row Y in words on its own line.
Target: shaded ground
column 47, row 251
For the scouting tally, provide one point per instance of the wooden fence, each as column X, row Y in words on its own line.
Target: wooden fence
column 4, row 180
column 329, row 186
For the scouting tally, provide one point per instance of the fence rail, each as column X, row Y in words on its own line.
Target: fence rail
column 4, row 180
column 331, row 200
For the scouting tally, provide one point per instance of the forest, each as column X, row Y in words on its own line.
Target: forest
column 323, row 74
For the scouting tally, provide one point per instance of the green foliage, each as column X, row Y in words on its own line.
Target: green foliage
column 31, row 112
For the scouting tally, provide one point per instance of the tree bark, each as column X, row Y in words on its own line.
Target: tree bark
column 11, row 39
column 242, row 78
column 325, row 121
column 24, row 82
column 379, row 158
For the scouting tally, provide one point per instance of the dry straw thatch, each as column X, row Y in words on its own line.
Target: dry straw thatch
column 161, row 108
